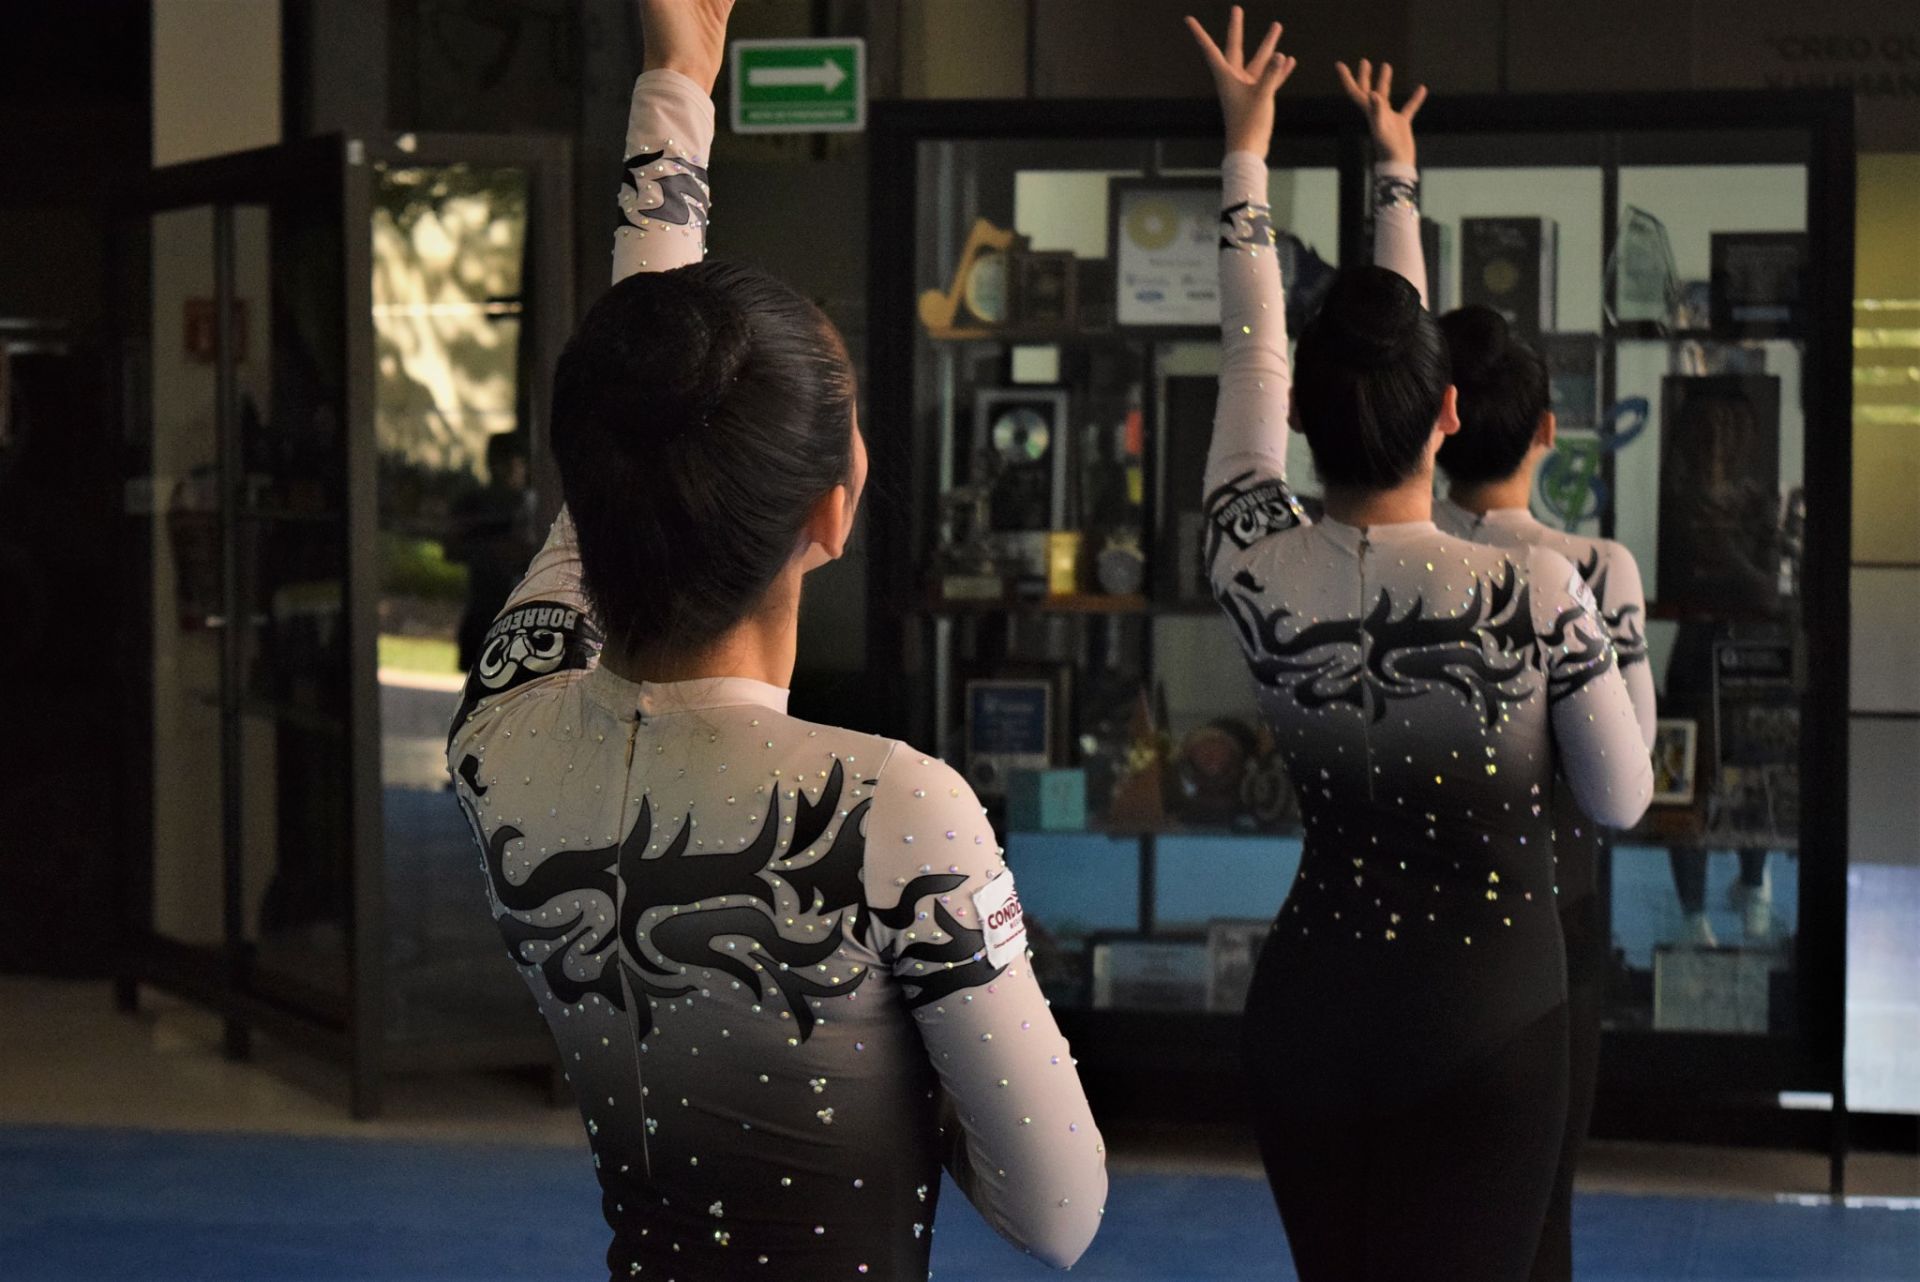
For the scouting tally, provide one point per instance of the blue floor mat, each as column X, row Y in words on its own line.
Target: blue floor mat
column 90, row 1205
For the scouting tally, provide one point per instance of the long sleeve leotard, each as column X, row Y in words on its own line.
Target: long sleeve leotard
column 1406, row 1032
column 1613, row 577
column 783, row 963
column 1422, row 689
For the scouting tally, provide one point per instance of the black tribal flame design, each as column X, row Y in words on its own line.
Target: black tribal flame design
column 1482, row 652
column 657, row 948
column 1629, row 641
column 1246, row 225
column 1586, row 652
column 683, row 195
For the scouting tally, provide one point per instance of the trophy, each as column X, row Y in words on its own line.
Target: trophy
column 969, row 568
column 1646, row 282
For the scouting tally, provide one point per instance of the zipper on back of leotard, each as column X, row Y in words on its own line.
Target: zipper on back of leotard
column 620, row 946
column 1366, row 667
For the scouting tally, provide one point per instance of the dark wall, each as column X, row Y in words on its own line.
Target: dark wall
column 75, row 95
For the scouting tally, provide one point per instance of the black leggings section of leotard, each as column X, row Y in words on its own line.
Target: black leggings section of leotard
column 1586, row 989
column 1435, row 1181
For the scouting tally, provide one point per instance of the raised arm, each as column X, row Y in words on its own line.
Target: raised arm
column 1396, row 176
column 1596, row 731
column 1021, row 1140
column 1246, row 493
column 664, row 193
column 546, row 628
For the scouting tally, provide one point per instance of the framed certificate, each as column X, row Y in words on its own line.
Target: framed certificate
column 1165, row 246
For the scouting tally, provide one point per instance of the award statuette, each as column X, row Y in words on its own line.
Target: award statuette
column 975, row 305
column 1646, row 282
column 969, row 569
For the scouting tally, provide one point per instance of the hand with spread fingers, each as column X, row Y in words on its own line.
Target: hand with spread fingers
column 687, row 36
column 1246, row 84
column 1392, row 130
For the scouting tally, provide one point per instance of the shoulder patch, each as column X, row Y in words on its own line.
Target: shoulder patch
column 1243, row 511
column 1577, row 589
column 1001, row 919
column 528, row 642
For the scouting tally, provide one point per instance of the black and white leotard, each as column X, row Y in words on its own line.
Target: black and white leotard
column 783, row 963
column 1422, row 690
column 1422, row 687
column 1613, row 577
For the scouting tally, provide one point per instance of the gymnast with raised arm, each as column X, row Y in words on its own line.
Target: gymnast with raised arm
column 783, row 963
column 1406, row 1030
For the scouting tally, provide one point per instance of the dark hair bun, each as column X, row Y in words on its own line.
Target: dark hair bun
column 1369, row 319
column 1503, row 391
column 1480, row 341
column 698, row 415
column 1370, row 376
column 711, row 344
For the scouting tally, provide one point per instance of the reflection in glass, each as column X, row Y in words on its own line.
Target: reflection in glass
column 290, row 541
column 456, row 531
column 189, row 588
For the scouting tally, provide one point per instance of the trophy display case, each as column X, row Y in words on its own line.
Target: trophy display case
column 1689, row 287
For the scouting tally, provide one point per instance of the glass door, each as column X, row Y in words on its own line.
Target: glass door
column 336, row 359
column 236, row 416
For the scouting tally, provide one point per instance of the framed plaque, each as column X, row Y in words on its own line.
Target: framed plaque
column 1045, row 291
column 1675, row 749
column 1759, row 285
column 1573, row 378
column 1511, row 266
column 1165, row 241
column 1009, row 728
column 1150, row 974
column 1756, row 723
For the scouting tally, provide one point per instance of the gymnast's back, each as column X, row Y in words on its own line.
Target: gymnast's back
column 1420, row 687
column 783, row 963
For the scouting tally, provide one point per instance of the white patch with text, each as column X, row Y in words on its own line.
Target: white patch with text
column 1001, row 919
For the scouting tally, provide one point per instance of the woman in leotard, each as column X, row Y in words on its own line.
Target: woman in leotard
column 1406, row 1030
column 783, row 963
column 1506, row 430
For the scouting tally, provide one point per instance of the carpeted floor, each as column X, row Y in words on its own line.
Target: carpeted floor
column 86, row 1205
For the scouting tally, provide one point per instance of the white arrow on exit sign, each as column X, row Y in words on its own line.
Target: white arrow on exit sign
column 827, row 76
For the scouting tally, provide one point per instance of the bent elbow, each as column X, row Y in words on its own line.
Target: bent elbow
column 1067, row 1230
column 1622, row 802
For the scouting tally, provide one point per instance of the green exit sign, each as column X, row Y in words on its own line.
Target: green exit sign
column 799, row 86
